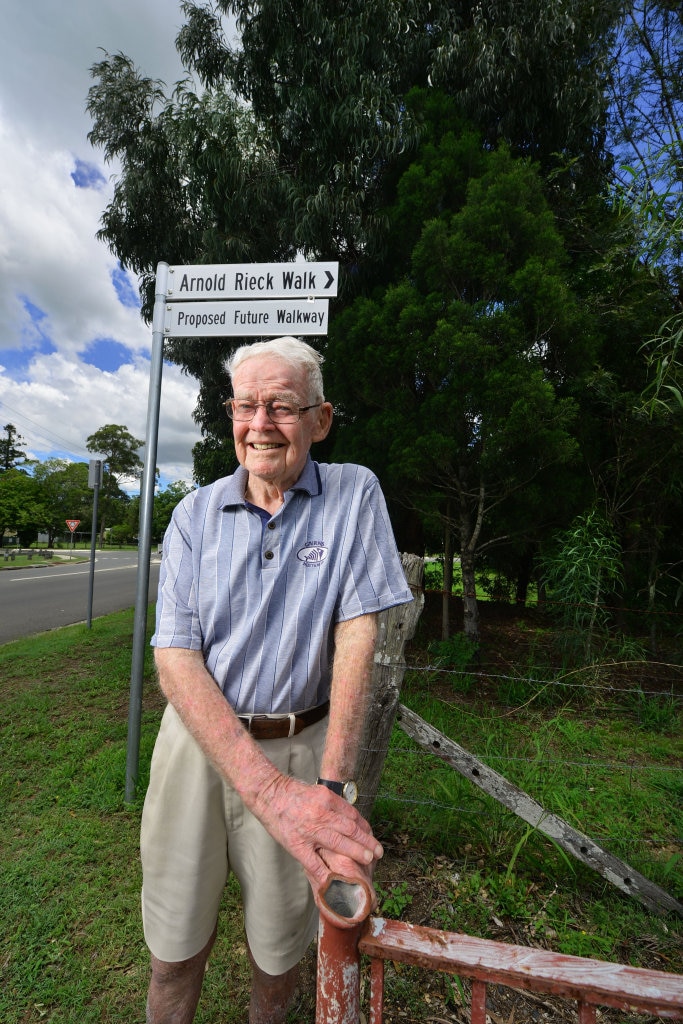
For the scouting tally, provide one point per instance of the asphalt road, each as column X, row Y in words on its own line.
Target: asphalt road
column 33, row 600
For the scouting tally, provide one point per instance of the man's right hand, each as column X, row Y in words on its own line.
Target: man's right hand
column 316, row 826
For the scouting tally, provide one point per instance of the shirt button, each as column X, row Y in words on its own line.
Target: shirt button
column 269, row 555
column 271, row 526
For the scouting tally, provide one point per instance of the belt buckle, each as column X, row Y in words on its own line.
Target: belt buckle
column 270, row 718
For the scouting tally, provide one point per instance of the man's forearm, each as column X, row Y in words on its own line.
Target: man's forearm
column 190, row 688
column 305, row 819
column 349, row 695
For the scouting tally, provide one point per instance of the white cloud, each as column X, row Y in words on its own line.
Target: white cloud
column 57, row 290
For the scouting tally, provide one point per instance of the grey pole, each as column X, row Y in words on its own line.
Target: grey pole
column 96, row 477
column 145, row 533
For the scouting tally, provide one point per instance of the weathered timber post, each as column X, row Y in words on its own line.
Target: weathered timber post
column 395, row 628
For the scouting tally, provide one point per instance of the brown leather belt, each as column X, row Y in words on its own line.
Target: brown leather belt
column 263, row 727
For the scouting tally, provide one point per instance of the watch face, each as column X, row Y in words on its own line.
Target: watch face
column 350, row 792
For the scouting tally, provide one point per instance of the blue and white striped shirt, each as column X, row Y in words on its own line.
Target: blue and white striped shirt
column 260, row 596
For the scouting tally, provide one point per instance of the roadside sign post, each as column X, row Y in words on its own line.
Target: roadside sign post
column 231, row 300
column 73, row 524
column 94, row 481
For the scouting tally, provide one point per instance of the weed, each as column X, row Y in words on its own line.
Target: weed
column 457, row 652
column 393, row 902
column 655, row 712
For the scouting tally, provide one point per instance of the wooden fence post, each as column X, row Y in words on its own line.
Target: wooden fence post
column 395, row 627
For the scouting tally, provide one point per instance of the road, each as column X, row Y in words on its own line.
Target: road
column 34, row 600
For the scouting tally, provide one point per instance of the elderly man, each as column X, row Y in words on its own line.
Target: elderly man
column 270, row 585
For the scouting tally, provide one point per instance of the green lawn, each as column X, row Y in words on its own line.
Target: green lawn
column 72, row 950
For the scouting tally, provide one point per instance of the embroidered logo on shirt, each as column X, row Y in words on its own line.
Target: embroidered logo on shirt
column 313, row 553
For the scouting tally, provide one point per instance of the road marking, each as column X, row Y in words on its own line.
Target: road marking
column 79, row 572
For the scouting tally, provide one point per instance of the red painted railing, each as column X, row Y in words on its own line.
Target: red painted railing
column 591, row 983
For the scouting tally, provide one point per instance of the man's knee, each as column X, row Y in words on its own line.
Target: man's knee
column 182, row 979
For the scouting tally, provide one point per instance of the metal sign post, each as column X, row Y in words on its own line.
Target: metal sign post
column 73, row 524
column 145, row 534
column 184, row 306
column 94, row 481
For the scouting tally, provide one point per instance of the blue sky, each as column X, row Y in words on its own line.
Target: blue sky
column 74, row 353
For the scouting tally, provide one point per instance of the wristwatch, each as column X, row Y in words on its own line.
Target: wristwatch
column 347, row 790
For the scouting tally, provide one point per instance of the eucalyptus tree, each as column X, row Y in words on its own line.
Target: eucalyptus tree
column 297, row 133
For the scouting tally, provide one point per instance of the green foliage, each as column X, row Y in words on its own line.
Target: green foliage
column 395, row 900
column 12, row 450
column 532, row 73
column 452, row 364
column 583, row 569
column 22, row 509
column 65, row 494
column 458, row 652
column 119, row 451
column 655, row 712
column 118, row 448
column 452, row 158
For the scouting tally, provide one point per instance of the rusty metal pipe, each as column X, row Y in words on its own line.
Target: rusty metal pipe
column 344, row 905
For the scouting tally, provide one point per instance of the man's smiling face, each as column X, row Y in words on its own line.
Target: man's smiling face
column 275, row 453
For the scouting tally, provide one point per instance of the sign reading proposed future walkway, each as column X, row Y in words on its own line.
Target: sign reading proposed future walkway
column 252, row 281
column 284, row 316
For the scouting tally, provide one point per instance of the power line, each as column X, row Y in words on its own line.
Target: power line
column 45, row 435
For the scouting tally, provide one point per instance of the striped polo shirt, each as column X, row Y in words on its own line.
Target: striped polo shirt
column 260, row 595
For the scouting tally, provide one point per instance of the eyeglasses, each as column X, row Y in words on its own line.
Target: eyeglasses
column 277, row 411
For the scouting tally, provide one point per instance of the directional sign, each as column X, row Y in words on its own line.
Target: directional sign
column 252, row 281
column 224, row 319
column 73, row 524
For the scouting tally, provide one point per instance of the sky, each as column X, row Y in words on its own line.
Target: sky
column 74, row 352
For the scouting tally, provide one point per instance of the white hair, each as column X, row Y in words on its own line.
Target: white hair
column 292, row 351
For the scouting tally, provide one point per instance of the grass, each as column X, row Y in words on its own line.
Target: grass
column 603, row 773
column 72, row 949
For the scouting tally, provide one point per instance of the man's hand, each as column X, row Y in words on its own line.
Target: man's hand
column 320, row 829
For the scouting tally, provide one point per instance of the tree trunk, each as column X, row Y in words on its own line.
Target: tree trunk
column 447, row 576
column 396, row 627
column 469, row 596
column 524, row 571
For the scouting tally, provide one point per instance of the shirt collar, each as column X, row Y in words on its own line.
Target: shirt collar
column 233, row 487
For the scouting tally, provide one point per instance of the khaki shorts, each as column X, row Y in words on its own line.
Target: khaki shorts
column 195, row 830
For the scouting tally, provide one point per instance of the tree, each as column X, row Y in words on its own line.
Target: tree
column 531, row 74
column 646, row 92
column 301, row 132
column 164, row 503
column 21, row 509
column 452, row 381
column 64, row 494
column 119, row 450
column 12, row 450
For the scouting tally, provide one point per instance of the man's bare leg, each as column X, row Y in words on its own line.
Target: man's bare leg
column 175, row 988
column 271, row 995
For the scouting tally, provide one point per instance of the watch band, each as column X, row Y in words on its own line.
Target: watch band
column 336, row 787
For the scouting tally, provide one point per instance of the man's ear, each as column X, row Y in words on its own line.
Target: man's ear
column 323, row 421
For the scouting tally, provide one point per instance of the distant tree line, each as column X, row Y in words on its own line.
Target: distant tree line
column 37, row 498
column 501, row 186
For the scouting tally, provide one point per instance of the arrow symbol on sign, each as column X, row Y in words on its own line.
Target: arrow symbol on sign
column 330, row 279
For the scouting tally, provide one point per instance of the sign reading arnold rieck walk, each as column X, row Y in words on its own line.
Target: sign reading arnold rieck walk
column 273, row 316
column 252, row 281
